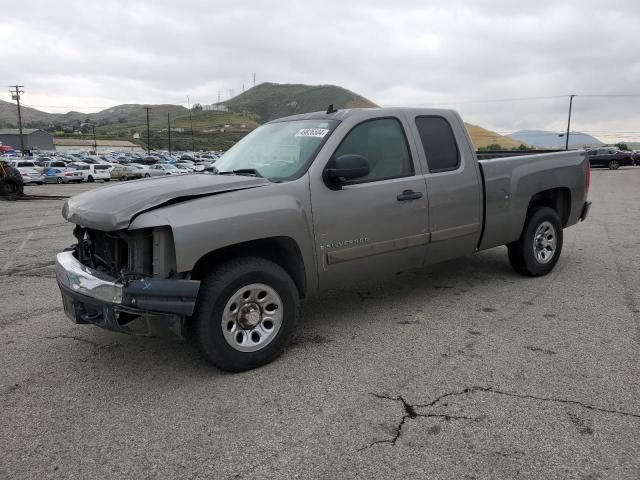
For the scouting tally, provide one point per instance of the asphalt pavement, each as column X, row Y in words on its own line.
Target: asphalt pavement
column 463, row 371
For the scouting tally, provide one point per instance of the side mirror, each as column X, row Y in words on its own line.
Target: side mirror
column 345, row 168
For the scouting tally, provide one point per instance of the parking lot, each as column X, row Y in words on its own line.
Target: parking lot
column 464, row 371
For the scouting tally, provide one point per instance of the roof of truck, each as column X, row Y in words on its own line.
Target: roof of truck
column 348, row 112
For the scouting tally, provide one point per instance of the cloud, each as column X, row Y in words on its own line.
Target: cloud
column 85, row 55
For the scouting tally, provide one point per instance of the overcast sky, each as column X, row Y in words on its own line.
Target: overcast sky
column 89, row 55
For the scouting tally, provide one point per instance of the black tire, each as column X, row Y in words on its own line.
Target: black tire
column 11, row 187
column 218, row 288
column 90, row 179
column 521, row 252
column 613, row 165
column 107, row 179
column 39, row 183
column 146, row 175
column 60, row 180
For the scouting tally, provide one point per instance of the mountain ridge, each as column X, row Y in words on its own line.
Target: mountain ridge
column 246, row 111
column 549, row 140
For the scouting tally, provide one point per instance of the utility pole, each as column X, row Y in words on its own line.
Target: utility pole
column 566, row 145
column 254, row 79
column 15, row 94
column 148, row 132
column 169, row 130
column 218, row 96
column 193, row 143
column 243, row 88
column 95, row 143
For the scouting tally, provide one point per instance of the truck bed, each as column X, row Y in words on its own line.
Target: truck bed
column 510, row 183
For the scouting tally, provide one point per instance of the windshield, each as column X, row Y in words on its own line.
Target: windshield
column 278, row 151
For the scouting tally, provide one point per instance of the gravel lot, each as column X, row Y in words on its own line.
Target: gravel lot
column 465, row 371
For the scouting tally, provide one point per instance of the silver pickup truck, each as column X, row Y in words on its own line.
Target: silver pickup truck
column 304, row 204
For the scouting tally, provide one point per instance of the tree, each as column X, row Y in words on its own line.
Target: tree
column 493, row 146
column 196, row 107
column 621, row 146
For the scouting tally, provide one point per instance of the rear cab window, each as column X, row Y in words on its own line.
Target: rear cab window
column 439, row 143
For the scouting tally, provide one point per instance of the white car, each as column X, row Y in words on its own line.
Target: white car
column 31, row 175
column 93, row 172
column 189, row 167
column 164, row 169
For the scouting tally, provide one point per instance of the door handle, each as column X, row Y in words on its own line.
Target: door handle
column 409, row 195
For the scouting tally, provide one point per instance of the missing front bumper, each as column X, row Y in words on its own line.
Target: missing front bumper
column 90, row 296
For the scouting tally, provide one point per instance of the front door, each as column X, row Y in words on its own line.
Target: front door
column 377, row 224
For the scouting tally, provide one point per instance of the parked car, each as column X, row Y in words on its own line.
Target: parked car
column 23, row 164
column 51, row 163
column 29, row 171
column 126, row 172
column 143, row 169
column 93, row 172
column 58, row 175
column 636, row 157
column 31, row 175
column 609, row 157
column 304, row 204
column 187, row 166
column 164, row 169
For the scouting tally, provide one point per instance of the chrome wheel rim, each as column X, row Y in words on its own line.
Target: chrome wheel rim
column 252, row 317
column 544, row 243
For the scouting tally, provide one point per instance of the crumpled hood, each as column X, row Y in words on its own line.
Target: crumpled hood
column 112, row 208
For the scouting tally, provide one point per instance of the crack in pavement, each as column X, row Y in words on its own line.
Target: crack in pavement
column 410, row 412
column 410, row 409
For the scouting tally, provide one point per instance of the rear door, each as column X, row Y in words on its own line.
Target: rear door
column 453, row 184
column 374, row 225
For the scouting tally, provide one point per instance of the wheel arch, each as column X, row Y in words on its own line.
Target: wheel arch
column 558, row 199
column 283, row 251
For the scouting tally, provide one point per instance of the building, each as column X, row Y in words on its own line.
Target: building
column 34, row 138
column 104, row 146
column 215, row 107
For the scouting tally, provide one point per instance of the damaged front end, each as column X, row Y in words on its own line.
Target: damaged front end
column 125, row 281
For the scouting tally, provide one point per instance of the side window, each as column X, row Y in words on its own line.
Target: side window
column 439, row 144
column 384, row 144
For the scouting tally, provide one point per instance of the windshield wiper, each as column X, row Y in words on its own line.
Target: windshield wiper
column 251, row 172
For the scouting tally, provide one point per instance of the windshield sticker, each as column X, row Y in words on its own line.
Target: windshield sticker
column 312, row 132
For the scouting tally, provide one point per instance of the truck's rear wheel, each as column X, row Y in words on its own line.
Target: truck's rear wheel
column 539, row 247
column 246, row 311
column 614, row 165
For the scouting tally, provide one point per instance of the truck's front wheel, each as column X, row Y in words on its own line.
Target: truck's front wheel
column 246, row 311
column 538, row 249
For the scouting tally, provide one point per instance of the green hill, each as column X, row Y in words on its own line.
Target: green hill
column 274, row 100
